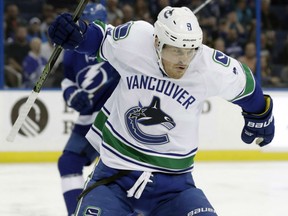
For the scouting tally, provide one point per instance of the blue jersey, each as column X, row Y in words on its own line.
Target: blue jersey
column 32, row 68
column 86, row 73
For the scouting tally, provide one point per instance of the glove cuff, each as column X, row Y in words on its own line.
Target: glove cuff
column 266, row 112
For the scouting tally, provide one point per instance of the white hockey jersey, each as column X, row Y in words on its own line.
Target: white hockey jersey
column 150, row 122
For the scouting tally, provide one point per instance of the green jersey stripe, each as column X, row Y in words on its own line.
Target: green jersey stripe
column 102, row 26
column 100, row 120
column 250, row 83
column 128, row 151
column 160, row 161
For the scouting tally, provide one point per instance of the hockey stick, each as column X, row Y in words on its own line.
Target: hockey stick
column 24, row 111
column 201, row 6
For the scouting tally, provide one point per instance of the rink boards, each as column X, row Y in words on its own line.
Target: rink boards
column 44, row 134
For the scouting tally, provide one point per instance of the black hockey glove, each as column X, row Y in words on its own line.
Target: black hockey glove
column 80, row 101
column 259, row 125
column 66, row 33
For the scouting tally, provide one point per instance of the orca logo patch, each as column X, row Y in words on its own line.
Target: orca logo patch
column 148, row 116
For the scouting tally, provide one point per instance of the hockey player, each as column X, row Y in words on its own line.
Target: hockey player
column 86, row 87
column 148, row 128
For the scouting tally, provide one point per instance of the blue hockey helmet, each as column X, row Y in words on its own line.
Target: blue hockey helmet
column 93, row 12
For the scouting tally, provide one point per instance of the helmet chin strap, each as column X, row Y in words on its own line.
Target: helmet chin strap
column 160, row 64
column 158, row 49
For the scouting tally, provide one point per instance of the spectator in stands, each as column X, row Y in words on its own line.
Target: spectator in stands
column 269, row 19
column 233, row 23
column 33, row 64
column 63, row 5
column 233, row 47
column 264, row 47
column 251, row 33
column 218, row 17
column 207, row 38
column 244, row 14
column 208, row 16
column 117, row 21
column 18, row 49
column 284, row 75
column 283, row 54
column 34, row 29
column 249, row 58
column 282, row 59
column 12, row 21
column 131, row 2
column 142, row 11
column 209, row 23
column 113, row 11
column 225, row 7
column 236, row 37
column 268, row 78
column 28, row 8
column 128, row 13
column 47, row 16
column 223, row 29
column 219, row 44
column 270, row 45
column 273, row 44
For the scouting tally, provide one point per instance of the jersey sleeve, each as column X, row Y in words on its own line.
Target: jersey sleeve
column 122, row 42
column 251, row 98
column 236, row 83
column 234, row 80
column 249, row 82
column 68, row 65
column 94, row 37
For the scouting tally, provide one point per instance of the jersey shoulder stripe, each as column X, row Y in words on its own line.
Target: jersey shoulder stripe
column 250, row 83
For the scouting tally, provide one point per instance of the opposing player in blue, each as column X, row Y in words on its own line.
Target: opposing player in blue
column 86, row 87
column 148, row 128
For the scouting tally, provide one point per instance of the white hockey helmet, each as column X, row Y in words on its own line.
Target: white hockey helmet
column 178, row 27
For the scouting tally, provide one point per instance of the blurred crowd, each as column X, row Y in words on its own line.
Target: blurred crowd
column 228, row 25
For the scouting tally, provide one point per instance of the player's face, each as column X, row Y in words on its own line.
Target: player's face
column 176, row 60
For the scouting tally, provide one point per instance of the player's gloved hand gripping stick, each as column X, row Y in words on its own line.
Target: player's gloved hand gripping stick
column 58, row 49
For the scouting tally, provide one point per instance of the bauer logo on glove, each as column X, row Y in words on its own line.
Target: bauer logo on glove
column 259, row 125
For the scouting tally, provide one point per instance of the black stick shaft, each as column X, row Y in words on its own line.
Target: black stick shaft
column 57, row 51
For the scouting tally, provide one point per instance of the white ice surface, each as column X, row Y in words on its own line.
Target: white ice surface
column 234, row 189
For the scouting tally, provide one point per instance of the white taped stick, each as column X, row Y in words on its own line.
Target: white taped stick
column 23, row 113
